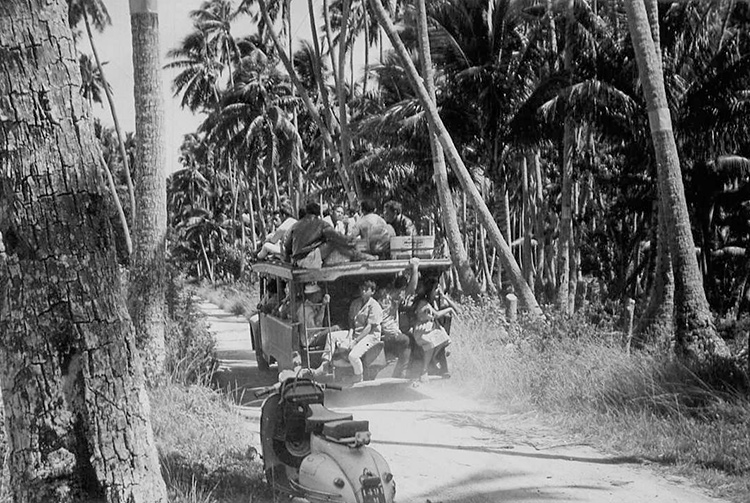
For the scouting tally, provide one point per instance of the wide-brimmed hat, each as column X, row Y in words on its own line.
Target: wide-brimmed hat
column 312, row 288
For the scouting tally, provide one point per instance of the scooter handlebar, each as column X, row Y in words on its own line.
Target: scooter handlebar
column 334, row 387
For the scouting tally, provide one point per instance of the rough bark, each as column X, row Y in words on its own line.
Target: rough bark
column 146, row 294
column 76, row 412
column 436, row 124
column 695, row 334
column 460, row 258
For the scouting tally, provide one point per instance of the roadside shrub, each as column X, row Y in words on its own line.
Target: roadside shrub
column 210, row 457
column 645, row 403
column 190, row 346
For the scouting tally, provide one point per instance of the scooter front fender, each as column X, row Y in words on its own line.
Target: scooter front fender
column 340, row 471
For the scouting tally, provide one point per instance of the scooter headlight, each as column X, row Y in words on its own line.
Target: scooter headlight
column 388, row 477
column 339, row 482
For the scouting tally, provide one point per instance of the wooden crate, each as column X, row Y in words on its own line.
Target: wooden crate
column 401, row 247
column 423, row 246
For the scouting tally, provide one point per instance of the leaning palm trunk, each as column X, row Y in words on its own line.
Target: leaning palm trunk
column 115, row 120
column 341, row 93
column 118, row 204
column 75, row 409
column 350, row 183
column 695, row 334
column 147, row 292
column 460, row 258
column 656, row 322
column 436, row 124
column 329, row 39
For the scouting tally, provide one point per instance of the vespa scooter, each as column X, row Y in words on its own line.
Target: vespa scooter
column 317, row 455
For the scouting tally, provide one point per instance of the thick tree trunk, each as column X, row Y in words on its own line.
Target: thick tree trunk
column 436, row 124
column 72, row 386
column 656, row 322
column 460, row 258
column 696, row 336
column 146, row 296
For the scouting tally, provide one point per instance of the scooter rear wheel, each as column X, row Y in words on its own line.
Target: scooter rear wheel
column 291, row 452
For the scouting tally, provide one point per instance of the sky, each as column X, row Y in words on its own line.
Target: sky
column 115, row 47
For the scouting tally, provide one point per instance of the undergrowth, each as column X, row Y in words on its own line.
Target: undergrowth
column 690, row 418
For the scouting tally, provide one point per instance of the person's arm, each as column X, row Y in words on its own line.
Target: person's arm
column 334, row 237
column 445, row 298
column 411, row 287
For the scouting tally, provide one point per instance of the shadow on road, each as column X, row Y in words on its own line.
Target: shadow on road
column 505, row 451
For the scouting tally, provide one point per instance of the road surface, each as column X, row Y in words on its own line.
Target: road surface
column 445, row 447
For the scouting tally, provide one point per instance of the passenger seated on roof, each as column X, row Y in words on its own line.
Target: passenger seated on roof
column 312, row 312
column 275, row 240
column 371, row 227
column 312, row 239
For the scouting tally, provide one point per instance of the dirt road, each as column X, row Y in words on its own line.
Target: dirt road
column 446, row 447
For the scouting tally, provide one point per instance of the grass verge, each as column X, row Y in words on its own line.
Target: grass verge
column 206, row 447
column 694, row 421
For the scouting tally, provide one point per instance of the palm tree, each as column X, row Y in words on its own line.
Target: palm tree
column 522, row 288
column 450, row 221
column 696, row 336
column 198, row 80
column 350, row 183
column 92, row 82
column 148, row 281
column 95, row 12
column 68, row 278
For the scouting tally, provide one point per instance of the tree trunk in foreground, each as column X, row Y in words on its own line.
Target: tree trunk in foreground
column 466, row 276
column 146, row 295
column 76, row 412
column 436, row 124
column 695, row 334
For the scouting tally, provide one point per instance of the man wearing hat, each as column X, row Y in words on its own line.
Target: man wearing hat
column 274, row 241
column 312, row 312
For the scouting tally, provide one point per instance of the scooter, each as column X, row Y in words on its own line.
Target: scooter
column 314, row 454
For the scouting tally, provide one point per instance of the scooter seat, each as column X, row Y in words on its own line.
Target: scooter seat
column 341, row 430
column 320, row 415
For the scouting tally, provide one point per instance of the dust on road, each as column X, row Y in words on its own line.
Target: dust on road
column 445, row 446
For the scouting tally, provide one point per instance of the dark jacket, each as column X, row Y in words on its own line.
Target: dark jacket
column 308, row 234
column 403, row 226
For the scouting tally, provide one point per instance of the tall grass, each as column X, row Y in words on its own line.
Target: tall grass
column 695, row 420
column 206, row 447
